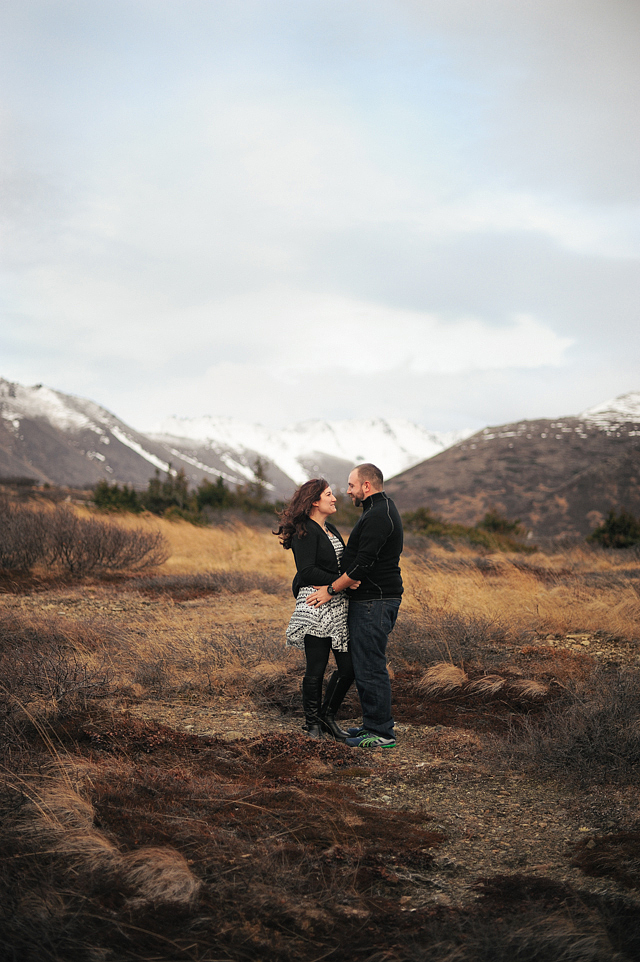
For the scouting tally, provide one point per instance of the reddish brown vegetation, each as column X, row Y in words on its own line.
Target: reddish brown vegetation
column 125, row 836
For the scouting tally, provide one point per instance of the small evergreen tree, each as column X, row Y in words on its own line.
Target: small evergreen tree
column 112, row 497
column 256, row 489
column 617, row 531
column 170, row 492
column 210, row 494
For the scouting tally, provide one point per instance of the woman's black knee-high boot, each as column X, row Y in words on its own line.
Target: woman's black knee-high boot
column 337, row 688
column 311, row 697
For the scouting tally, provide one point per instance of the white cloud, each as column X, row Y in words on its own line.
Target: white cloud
column 289, row 330
column 230, row 201
column 605, row 230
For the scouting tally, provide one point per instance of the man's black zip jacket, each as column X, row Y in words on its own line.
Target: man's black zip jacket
column 373, row 550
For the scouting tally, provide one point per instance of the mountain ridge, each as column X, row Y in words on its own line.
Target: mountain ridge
column 59, row 438
column 559, row 476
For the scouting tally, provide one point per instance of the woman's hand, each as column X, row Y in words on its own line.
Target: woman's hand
column 321, row 595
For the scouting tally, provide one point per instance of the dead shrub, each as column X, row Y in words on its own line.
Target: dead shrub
column 79, row 545
column 457, row 637
column 86, row 545
column 44, row 669
column 24, row 537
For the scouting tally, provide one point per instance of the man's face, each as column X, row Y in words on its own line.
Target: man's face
column 355, row 489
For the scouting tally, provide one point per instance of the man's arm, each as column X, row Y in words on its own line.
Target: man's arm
column 375, row 530
column 321, row 595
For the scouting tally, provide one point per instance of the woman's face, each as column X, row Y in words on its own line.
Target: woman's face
column 326, row 504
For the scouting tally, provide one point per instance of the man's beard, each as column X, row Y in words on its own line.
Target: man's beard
column 357, row 502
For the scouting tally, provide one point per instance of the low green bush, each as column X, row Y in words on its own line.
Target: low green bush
column 617, row 531
column 493, row 533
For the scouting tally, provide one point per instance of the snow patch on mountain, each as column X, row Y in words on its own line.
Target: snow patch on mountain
column 393, row 444
column 229, row 437
column 625, row 407
column 72, row 416
column 139, row 449
column 18, row 402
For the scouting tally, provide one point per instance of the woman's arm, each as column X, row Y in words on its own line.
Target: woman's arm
column 314, row 565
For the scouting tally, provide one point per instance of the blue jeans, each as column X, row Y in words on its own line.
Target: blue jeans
column 370, row 623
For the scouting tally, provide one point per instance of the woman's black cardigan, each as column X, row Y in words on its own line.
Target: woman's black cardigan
column 315, row 556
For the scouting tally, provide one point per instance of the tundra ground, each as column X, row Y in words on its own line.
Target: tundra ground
column 160, row 800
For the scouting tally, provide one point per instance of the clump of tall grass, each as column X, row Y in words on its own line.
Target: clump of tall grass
column 448, row 682
column 46, row 667
column 592, row 735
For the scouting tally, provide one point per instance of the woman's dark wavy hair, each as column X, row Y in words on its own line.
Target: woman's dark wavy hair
column 294, row 516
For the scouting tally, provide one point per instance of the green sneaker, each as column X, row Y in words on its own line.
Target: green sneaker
column 370, row 740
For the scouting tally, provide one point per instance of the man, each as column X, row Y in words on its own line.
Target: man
column 371, row 557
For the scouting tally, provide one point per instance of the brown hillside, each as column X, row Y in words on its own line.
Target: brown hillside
column 559, row 477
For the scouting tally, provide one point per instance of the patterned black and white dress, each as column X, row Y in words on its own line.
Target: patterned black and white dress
column 325, row 621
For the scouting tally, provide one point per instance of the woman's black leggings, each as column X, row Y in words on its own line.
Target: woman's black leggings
column 317, row 652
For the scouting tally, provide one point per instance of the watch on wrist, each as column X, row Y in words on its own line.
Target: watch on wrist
column 331, row 590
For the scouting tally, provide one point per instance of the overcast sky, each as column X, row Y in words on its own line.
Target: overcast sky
column 288, row 209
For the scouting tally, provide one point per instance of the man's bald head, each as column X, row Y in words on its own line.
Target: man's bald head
column 372, row 474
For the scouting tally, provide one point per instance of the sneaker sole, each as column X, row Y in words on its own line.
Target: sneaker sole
column 361, row 745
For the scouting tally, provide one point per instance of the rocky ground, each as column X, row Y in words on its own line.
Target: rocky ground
column 494, row 821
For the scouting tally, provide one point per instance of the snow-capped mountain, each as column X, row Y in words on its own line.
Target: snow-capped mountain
column 559, row 476
column 49, row 436
column 303, row 449
column 58, row 438
column 62, row 439
column 619, row 410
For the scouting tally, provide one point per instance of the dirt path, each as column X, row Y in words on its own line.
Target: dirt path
column 496, row 822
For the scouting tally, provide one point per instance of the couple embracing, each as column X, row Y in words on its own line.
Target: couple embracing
column 347, row 600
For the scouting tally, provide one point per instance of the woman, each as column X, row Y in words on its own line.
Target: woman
column 317, row 548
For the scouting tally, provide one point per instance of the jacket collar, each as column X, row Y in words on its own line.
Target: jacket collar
column 328, row 523
column 373, row 499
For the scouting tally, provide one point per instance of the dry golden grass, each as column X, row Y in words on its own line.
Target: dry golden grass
column 442, row 680
column 229, row 547
column 579, row 589
column 223, row 642
column 555, row 595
